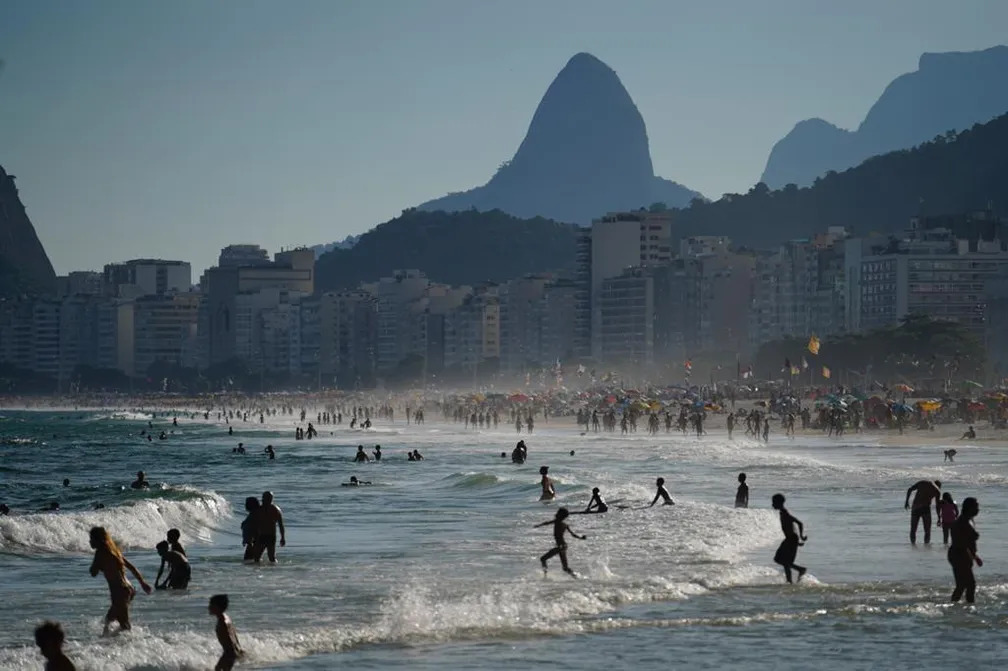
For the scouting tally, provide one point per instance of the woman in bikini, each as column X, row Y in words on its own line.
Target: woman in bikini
column 110, row 561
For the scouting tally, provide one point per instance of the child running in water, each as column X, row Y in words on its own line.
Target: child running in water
column 49, row 638
column 226, row 634
column 948, row 513
column 788, row 550
column 559, row 529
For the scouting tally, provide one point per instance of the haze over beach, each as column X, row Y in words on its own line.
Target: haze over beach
column 457, row 335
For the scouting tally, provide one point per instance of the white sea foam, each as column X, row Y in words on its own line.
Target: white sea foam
column 137, row 524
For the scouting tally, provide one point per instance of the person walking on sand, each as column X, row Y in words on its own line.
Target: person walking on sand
column 109, row 560
column 921, row 510
column 787, row 552
column 963, row 552
column 559, row 529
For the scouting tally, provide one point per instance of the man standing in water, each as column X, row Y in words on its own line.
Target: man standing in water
column 921, row 510
column 268, row 519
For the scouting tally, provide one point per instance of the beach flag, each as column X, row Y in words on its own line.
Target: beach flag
column 688, row 365
column 747, row 374
column 795, row 370
column 804, row 364
column 813, row 345
column 826, row 372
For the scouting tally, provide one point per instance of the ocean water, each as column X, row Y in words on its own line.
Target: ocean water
column 435, row 565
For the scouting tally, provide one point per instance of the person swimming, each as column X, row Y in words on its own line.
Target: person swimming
column 662, row 493
column 361, row 455
column 140, row 482
column 417, row 456
column 548, row 492
column 520, row 453
column 559, row 529
column 597, row 503
column 354, row 482
column 270, row 452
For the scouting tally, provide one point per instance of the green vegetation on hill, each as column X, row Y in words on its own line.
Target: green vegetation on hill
column 953, row 173
column 466, row 247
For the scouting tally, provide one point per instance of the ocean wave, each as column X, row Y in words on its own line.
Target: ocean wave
column 140, row 523
column 473, row 480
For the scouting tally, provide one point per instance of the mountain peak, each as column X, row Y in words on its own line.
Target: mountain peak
column 948, row 91
column 585, row 153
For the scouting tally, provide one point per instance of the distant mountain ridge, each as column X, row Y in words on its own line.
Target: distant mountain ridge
column 951, row 174
column 459, row 248
column 585, row 153
column 25, row 268
column 346, row 243
column 949, row 91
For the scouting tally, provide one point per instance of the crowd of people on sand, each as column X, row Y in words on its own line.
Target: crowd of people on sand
column 263, row 525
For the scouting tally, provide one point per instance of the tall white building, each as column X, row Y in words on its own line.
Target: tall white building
column 622, row 240
column 148, row 277
column 164, row 330
column 396, row 316
column 940, row 268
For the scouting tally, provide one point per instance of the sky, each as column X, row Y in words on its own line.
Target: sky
column 171, row 129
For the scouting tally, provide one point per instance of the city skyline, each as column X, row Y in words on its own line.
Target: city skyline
column 171, row 131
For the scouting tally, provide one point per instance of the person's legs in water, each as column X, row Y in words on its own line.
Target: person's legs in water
column 563, row 559
column 965, row 582
column 923, row 515
column 549, row 555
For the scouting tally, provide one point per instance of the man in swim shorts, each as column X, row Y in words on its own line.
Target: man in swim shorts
column 270, row 517
column 921, row 509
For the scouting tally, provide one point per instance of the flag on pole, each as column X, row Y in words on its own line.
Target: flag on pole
column 813, row 345
column 826, row 372
column 688, row 365
column 795, row 370
column 804, row 364
column 748, row 373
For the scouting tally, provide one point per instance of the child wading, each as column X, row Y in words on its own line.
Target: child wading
column 559, row 529
column 226, row 634
column 788, row 550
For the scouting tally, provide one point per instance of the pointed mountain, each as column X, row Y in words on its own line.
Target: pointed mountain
column 585, row 153
column 24, row 266
column 949, row 91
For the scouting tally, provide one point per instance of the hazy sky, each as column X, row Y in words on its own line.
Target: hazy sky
column 170, row 129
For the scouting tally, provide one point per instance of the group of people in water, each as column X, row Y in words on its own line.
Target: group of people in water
column 263, row 527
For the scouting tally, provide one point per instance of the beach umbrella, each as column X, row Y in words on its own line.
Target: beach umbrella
column 518, row 398
column 903, row 387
